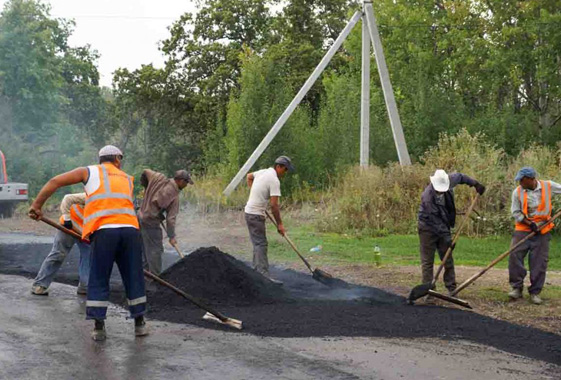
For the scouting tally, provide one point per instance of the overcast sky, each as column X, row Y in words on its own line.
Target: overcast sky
column 124, row 32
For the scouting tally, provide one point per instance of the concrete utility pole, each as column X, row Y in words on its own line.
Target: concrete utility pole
column 395, row 122
column 369, row 34
column 365, row 97
column 292, row 106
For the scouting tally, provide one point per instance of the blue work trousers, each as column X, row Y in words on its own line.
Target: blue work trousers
column 62, row 245
column 124, row 247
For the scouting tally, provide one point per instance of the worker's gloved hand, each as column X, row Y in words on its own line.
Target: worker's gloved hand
column 67, row 224
column 479, row 188
column 172, row 241
column 534, row 227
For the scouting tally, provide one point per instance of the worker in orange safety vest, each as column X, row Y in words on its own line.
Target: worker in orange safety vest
column 111, row 225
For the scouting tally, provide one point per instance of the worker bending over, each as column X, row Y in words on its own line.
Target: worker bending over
column 161, row 202
column 72, row 208
column 437, row 215
column 531, row 206
column 111, row 225
column 265, row 188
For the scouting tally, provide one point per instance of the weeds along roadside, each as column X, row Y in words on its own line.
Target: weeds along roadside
column 384, row 200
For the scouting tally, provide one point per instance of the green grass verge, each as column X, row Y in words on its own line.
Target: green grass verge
column 396, row 249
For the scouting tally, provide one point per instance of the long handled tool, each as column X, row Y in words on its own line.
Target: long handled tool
column 173, row 244
column 211, row 314
column 317, row 274
column 425, row 289
column 470, row 280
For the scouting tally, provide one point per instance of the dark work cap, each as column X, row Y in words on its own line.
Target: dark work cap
column 183, row 174
column 526, row 171
column 285, row 161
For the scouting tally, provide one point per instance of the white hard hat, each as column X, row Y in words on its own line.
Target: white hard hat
column 110, row 150
column 440, row 181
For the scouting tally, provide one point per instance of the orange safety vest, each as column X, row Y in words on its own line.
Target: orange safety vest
column 112, row 202
column 543, row 213
column 76, row 217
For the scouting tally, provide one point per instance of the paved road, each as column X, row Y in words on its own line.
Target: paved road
column 48, row 338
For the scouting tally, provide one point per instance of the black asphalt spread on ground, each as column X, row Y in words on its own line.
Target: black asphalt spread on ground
column 302, row 307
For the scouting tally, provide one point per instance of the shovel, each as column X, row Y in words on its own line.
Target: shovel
column 426, row 289
column 317, row 274
column 211, row 314
column 470, row 280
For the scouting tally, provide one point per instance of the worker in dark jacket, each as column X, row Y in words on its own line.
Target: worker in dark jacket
column 437, row 215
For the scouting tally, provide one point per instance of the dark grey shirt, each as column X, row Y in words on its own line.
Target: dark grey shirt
column 437, row 212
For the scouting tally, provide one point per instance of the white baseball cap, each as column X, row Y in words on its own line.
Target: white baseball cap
column 110, row 150
column 440, row 181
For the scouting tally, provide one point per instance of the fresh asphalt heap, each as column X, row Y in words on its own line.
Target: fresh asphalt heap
column 302, row 307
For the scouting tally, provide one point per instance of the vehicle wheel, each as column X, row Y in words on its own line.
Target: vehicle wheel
column 7, row 210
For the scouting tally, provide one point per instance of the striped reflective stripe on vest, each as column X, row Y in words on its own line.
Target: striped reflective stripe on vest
column 108, row 194
column 546, row 196
column 76, row 226
column 117, row 211
column 77, row 211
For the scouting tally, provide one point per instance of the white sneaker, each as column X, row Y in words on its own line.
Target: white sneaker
column 535, row 299
column 515, row 293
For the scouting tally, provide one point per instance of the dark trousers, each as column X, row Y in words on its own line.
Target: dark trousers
column 429, row 243
column 538, row 249
column 258, row 235
column 153, row 243
column 123, row 246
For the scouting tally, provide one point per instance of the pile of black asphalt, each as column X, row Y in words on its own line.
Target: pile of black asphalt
column 301, row 307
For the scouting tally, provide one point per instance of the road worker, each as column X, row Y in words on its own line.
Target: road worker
column 111, row 225
column 72, row 208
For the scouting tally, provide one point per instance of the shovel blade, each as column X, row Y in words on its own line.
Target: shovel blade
column 418, row 292
column 324, row 277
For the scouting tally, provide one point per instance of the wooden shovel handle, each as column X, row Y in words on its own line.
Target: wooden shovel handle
column 456, row 236
column 59, row 227
column 173, row 245
column 291, row 243
column 470, row 280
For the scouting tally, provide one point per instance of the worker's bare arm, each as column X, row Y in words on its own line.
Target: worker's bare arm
column 275, row 209
column 79, row 175
column 250, row 179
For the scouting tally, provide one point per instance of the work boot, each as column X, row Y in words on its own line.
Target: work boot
column 82, row 289
column 140, row 328
column 39, row 290
column 535, row 299
column 515, row 293
column 98, row 333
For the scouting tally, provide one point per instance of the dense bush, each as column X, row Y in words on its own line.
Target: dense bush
column 386, row 200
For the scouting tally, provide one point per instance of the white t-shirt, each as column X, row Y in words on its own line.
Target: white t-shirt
column 266, row 184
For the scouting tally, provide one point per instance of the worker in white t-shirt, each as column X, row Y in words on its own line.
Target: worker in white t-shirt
column 265, row 189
